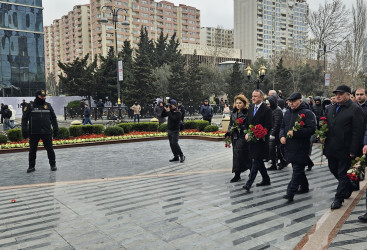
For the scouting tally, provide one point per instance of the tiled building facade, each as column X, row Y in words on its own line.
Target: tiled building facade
column 216, row 37
column 22, row 65
column 82, row 22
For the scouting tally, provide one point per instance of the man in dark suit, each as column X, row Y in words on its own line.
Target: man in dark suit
column 346, row 129
column 259, row 113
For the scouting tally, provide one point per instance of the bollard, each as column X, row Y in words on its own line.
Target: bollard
column 225, row 123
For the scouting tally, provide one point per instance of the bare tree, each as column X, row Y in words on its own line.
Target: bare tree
column 329, row 24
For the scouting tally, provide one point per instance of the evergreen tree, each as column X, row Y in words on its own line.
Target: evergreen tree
column 128, row 83
column 235, row 85
column 193, row 91
column 160, row 50
column 284, row 79
column 177, row 79
column 172, row 50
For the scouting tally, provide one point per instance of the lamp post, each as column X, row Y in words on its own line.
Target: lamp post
column 260, row 77
column 104, row 20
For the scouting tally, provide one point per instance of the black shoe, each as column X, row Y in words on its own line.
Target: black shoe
column 236, row 178
column 53, row 168
column 247, row 188
column 273, row 167
column 282, row 165
column 182, row 158
column 288, row 197
column 336, row 204
column 174, row 159
column 263, row 183
column 363, row 218
column 303, row 191
column 31, row 169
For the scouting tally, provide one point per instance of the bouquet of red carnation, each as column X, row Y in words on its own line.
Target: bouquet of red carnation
column 321, row 133
column 227, row 142
column 297, row 125
column 237, row 125
column 256, row 133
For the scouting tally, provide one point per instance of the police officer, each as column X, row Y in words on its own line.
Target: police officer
column 36, row 124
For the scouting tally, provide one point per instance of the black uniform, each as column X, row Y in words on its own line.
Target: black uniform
column 37, row 119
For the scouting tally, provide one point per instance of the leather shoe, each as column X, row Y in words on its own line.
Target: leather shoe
column 174, row 159
column 363, row 218
column 273, row 167
column 336, row 204
column 247, row 188
column 236, row 178
column 263, row 183
column 182, row 158
column 31, row 169
column 288, row 197
column 282, row 165
column 302, row 191
column 53, row 168
column 348, row 194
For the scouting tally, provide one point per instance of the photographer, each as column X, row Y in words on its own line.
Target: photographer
column 174, row 119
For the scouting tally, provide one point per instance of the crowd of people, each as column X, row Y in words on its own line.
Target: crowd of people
column 290, row 125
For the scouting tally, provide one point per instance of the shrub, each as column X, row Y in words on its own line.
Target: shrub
column 111, row 131
column 92, row 129
column 15, row 135
column 163, row 127
column 126, row 126
column 76, row 130
column 145, row 126
column 74, row 104
column 211, row 128
column 196, row 124
column 3, row 138
column 63, row 133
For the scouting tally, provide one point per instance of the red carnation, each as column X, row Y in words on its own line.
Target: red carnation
column 303, row 115
column 240, row 121
column 302, row 123
column 324, row 122
column 323, row 118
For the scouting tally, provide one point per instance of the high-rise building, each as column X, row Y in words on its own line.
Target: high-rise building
column 216, row 37
column 22, row 65
column 263, row 28
column 66, row 38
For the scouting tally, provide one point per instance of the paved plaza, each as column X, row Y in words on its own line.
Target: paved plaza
column 128, row 196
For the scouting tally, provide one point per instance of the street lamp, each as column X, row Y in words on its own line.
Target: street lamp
column 104, row 20
column 260, row 77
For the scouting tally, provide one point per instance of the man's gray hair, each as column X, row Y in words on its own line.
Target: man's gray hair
column 259, row 91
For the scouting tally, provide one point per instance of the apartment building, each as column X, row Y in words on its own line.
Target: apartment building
column 216, row 37
column 22, row 69
column 263, row 28
column 79, row 32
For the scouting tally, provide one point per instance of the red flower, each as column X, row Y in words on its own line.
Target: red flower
column 323, row 118
column 324, row 122
column 302, row 123
column 303, row 115
column 240, row 121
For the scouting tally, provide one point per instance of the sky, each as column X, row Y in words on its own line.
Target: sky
column 214, row 13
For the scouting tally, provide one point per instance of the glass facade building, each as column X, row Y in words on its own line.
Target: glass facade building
column 22, row 60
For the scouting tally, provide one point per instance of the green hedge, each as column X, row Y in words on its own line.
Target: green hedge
column 111, row 131
column 163, row 127
column 63, row 133
column 211, row 128
column 76, row 130
column 3, row 138
column 145, row 126
column 15, row 135
column 196, row 124
column 92, row 129
column 126, row 126
column 74, row 104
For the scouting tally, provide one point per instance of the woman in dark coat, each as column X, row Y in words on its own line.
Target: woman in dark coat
column 241, row 162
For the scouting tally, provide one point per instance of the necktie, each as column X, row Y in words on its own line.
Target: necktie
column 337, row 108
column 255, row 110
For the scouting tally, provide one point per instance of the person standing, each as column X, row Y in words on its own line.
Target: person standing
column 100, row 107
column 12, row 118
column 158, row 112
column 6, row 115
column 1, row 112
column 23, row 105
column 346, row 129
column 137, row 109
column 206, row 111
column 37, row 119
column 87, row 115
column 173, row 130
column 363, row 218
column 274, row 142
column 317, row 109
column 221, row 104
column 258, row 113
column 297, row 143
column 181, row 108
column 241, row 161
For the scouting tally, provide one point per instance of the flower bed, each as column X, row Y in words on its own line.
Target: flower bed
column 103, row 138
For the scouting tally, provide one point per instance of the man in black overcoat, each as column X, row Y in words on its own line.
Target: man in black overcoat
column 259, row 113
column 346, row 129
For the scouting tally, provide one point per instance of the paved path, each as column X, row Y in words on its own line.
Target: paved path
column 147, row 203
